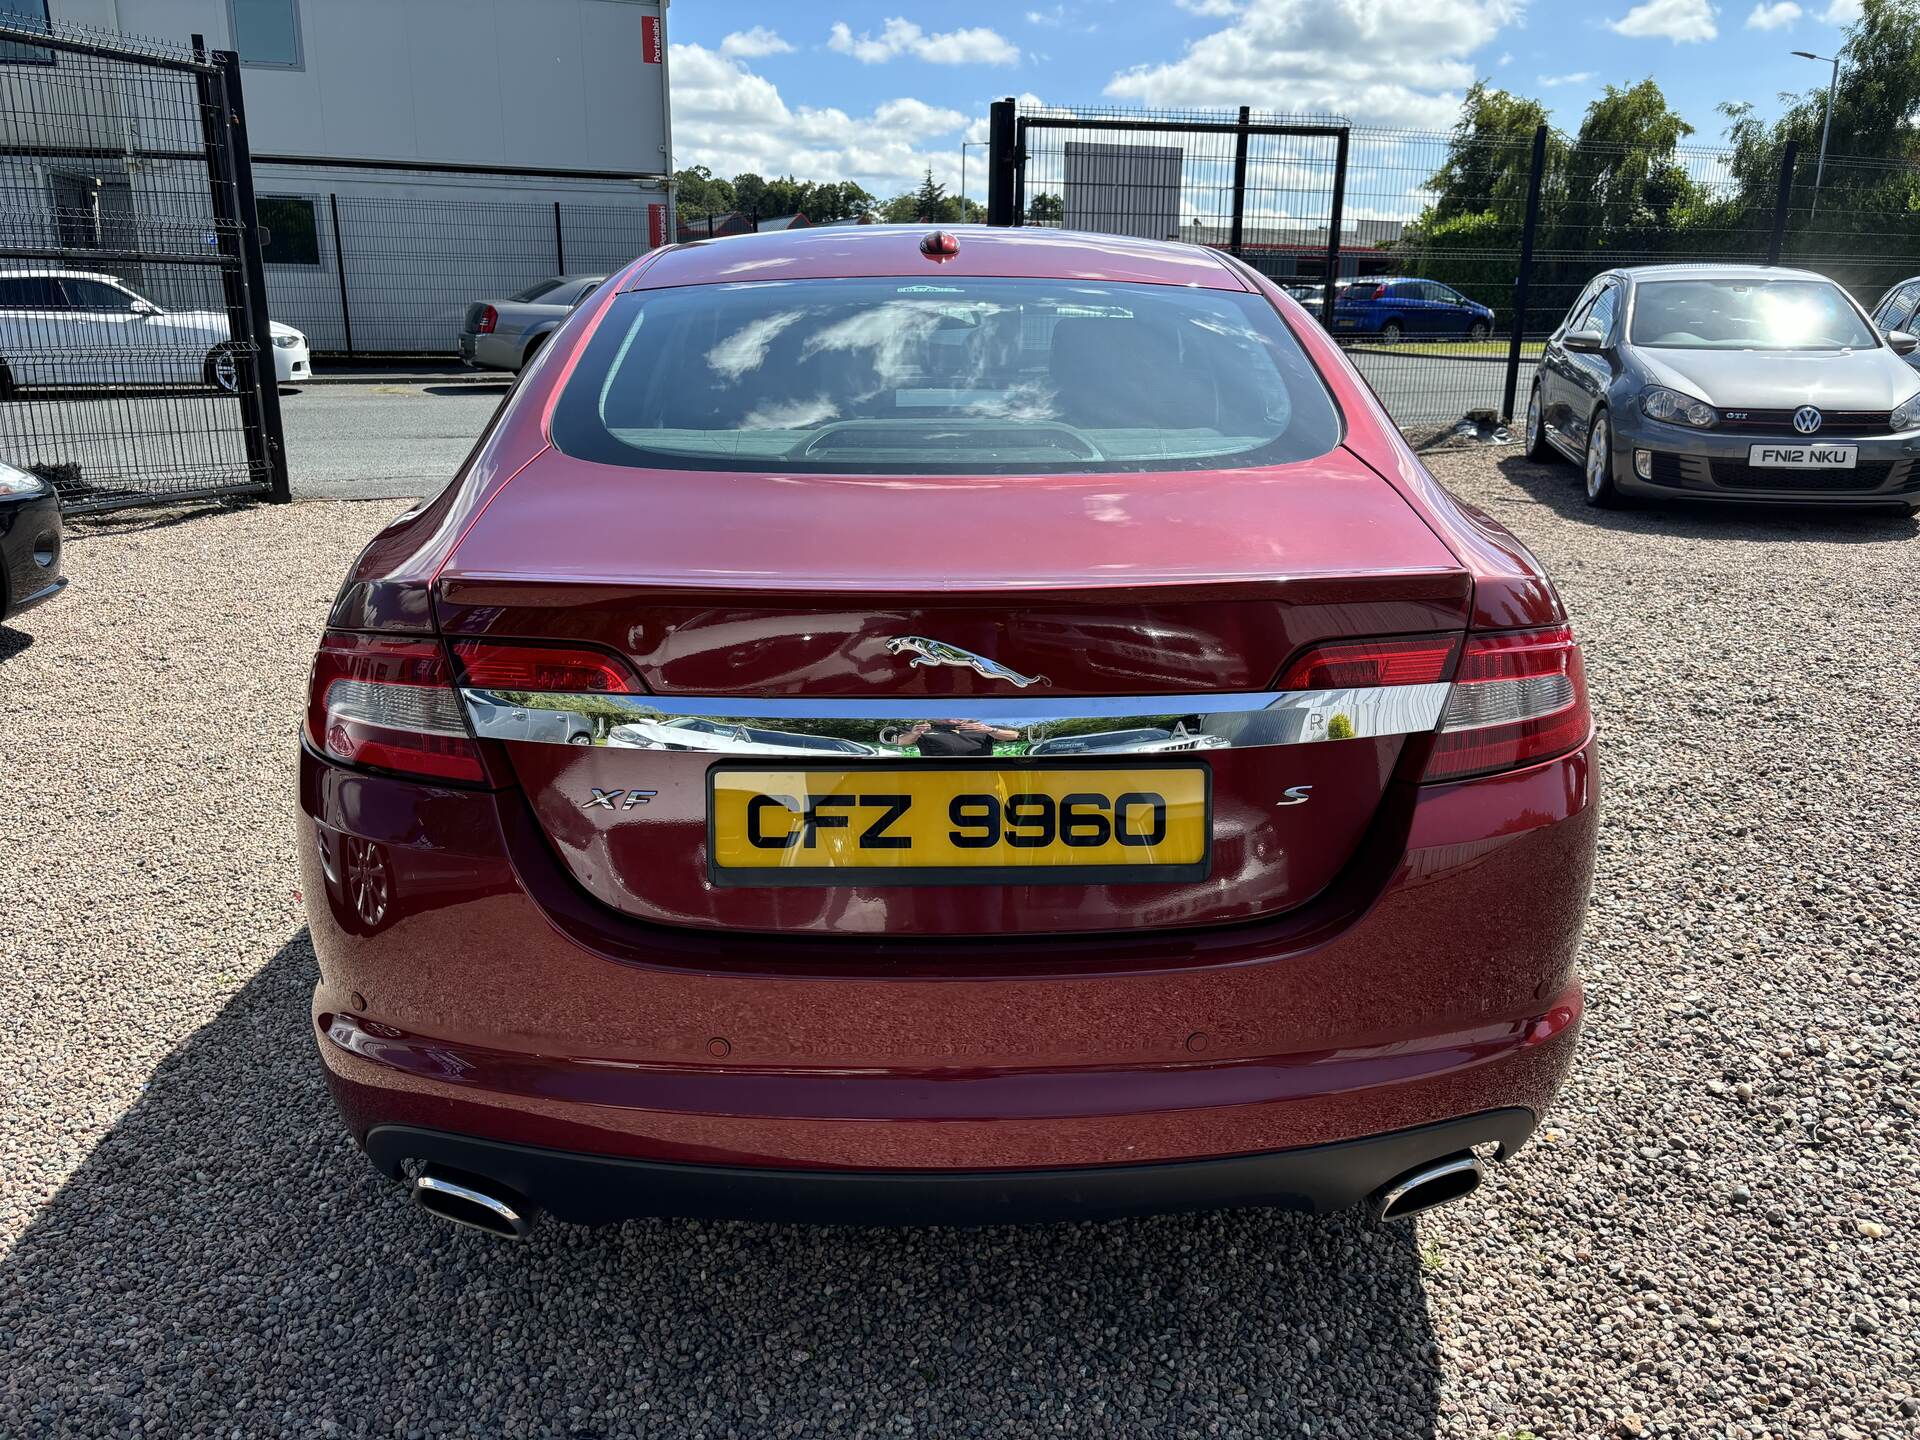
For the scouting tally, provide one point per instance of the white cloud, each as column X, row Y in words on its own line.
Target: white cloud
column 1215, row 8
column 1773, row 17
column 1506, row 58
column 1398, row 62
column 1578, row 77
column 975, row 46
column 1680, row 21
column 750, row 44
column 730, row 119
column 1842, row 12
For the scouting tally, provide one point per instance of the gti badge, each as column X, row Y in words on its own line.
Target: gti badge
column 604, row 799
column 1806, row 420
column 938, row 652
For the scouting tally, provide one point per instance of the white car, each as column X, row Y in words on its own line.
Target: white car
column 76, row 329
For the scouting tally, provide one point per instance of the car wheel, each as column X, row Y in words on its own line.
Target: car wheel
column 579, row 739
column 1601, row 491
column 1391, row 332
column 1479, row 330
column 1538, row 446
column 222, row 370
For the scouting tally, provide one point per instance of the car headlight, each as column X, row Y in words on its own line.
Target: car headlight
column 14, row 481
column 1677, row 409
column 287, row 342
column 1906, row 415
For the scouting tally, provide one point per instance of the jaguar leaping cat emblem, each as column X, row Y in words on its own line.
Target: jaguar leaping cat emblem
column 938, row 652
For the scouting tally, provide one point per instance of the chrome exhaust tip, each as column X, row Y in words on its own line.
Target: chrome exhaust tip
column 1427, row 1187
column 472, row 1201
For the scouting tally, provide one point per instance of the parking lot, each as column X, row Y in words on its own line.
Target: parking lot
column 1712, row 1235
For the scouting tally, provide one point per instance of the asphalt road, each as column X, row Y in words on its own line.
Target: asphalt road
column 1421, row 391
column 375, row 441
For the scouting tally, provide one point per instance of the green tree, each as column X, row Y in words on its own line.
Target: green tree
column 1489, row 157
column 1046, row 209
column 1623, row 187
column 1468, row 235
column 698, row 193
column 1867, row 228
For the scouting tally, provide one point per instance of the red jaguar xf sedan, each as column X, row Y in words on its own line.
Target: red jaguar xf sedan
column 954, row 727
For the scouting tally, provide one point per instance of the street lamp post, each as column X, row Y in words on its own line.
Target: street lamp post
column 1826, row 127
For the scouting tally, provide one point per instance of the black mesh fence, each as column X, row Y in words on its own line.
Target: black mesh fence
column 384, row 276
column 1452, row 256
column 129, row 368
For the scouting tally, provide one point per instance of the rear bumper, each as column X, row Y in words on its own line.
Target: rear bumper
column 600, row 1189
column 486, row 997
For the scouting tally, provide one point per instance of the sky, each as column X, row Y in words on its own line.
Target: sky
column 878, row 92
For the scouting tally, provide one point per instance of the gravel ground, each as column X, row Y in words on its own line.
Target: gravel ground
column 1714, row 1235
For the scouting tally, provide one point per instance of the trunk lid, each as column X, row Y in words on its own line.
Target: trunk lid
column 762, row 591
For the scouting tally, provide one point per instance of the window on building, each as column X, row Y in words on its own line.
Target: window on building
column 76, row 210
column 24, row 12
column 266, row 32
column 289, row 230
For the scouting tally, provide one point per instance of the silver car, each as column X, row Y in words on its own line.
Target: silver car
column 505, row 334
column 1730, row 382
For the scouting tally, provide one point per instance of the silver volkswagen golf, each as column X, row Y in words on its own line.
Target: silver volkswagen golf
column 1732, row 382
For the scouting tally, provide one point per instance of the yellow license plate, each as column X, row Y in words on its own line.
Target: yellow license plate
column 958, row 824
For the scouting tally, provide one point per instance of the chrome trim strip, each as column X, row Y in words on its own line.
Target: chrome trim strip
column 888, row 729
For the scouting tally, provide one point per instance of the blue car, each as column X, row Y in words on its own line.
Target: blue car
column 1395, row 310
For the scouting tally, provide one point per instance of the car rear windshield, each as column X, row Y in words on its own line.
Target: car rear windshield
column 1747, row 315
column 535, row 290
column 948, row 376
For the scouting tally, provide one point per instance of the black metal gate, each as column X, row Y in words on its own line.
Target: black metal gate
column 1271, row 191
column 136, row 358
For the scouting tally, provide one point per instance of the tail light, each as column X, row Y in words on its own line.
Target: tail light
column 489, row 317
column 1344, row 664
column 1520, row 697
column 490, row 665
column 390, row 704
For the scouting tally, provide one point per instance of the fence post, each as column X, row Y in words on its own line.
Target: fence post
column 230, row 160
column 1000, row 162
column 1782, row 202
column 1239, row 180
column 1336, row 212
column 340, row 270
column 1521, row 281
column 559, row 243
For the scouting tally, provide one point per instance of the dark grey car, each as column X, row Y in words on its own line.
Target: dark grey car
column 1733, row 382
column 504, row 334
column 1895, row 311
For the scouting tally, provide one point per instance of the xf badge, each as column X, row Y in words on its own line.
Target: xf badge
column 610, row 799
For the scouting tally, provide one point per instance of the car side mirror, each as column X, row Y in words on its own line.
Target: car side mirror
column 1902, row 342
column 1584, row 342
column 145, row 309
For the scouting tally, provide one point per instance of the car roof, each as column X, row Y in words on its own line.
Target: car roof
column 40, row 272
column 1020, row 251
column 1700, row 271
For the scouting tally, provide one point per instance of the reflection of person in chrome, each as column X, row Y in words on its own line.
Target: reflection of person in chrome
column 954, row 738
